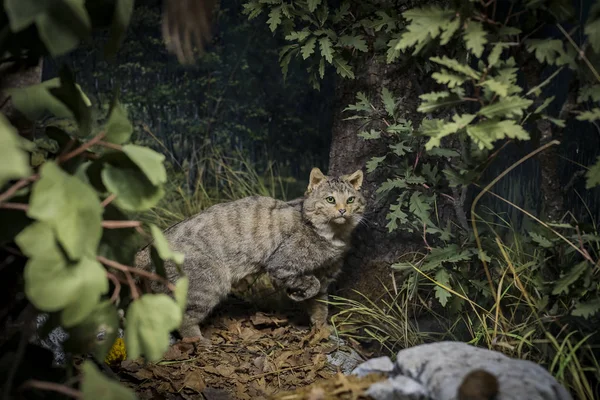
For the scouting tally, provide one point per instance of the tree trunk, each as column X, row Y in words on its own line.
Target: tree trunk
column 367, row 265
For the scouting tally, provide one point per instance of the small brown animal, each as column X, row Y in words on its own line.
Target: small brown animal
column 299, row 244
column 478, row 385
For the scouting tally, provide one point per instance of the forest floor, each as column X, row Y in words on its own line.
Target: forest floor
column 254, row 355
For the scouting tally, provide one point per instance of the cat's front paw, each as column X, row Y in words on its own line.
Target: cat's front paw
column 307, row 288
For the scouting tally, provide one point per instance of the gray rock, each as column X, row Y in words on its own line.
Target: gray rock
column 346, row 360
column 441, row 367
column 398, row 388
column 375, row 365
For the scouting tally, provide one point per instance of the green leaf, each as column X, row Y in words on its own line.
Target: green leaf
column 118, row 128
column 420, row 207
column 22, row 13
column 562, row 285
column 592, row 27
column 321, row 68
column 120, row 21
column 161, row 245
column 299, row 36
column 546, row 51
column 71, row 96
column 509, row 107
column 484, row 134
column 495, row 53
column 539, row 239
column 149, row 321
column 131, row 186
column 396, row 215
column 591, row 115
column 83, row 338
column 149, row 161
column 362, row 104
column 35, row 100
column 312, row 5
column 545, row 104
column 500, row 88
column 342, row 67
column 400, row 148
column 92, row 284
column 441, row 152
column 426, row 24
column 14, row 162
column 356, row 42
column 52, row 284
column 592, row 176
column 63, row 25
column 448, row 128
column 96, row 386
column 309, row 47
column 326, row 50
column 449, row 254
column 274, row 18
column 70, row 207
column 586, row 309
column 447, row 78
column 181, row 292
column 442, row 278
column 388, row 101
column 589, row 92
column 474, row 37
column 373, row 134
column 434, row 100
column 456, row 66
column 373, row 163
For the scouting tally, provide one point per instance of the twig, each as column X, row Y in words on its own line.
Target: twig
column 581, row 52
column 53, row 387
column 15, row 188
column 137, row 271
column 110, row 145
column 120, row 224
column 81, row 148
column 117, row 284
column 280, row 370
column 108, row 200
column 15, row 206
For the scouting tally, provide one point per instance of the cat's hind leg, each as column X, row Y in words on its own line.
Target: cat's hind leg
column 204, row 295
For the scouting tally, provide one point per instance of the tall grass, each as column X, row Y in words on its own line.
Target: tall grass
column 217, row 178
column 524, row 319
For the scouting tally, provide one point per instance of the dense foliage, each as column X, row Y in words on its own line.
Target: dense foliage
column 66, row 211
column 489, row 66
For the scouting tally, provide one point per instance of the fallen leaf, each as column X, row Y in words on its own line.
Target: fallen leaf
column 195, row 381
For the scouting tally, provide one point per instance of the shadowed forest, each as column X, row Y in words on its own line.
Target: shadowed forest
column 471, row 131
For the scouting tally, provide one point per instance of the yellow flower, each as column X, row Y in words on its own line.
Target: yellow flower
column 117, row 353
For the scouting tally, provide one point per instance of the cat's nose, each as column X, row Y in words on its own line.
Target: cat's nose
column 342, row 211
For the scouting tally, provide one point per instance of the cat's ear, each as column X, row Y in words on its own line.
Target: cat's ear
column 316, row 177
column 355, row 179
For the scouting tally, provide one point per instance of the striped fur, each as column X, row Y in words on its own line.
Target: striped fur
column 300, row 244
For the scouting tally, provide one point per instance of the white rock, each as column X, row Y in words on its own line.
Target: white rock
column 440, row 368
column 382, row 365
column 398, row 388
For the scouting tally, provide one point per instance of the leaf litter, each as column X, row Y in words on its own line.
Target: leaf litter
column 257, row 356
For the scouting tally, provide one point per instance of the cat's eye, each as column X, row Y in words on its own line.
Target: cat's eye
column 330, row 199
column 350, row 200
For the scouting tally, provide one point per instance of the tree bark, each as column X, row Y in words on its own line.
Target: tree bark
column 374, row 249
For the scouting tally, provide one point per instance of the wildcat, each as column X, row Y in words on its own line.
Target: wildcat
column 299, row 244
